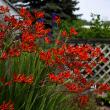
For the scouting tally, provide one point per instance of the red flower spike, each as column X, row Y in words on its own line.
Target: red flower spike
column 27, row 38
column 8, row 83
column 3, row 27
column 103, row 59
column 21, row 78
column 39, row 14
column 67, row 74
column 76, row 71
column 72, row 87
column 83, row 100
column 58, row 20
column 4, row 55
column 57, row 78
column 7, row 19
column 14, row 52
column 4, row 9
column 83, row 81
column 7, row 106
column 73, row 31
column 53, row 77
column 89, row 71
column 64, row 33
column 23, row 11
column 27, row 22
column 102, row 88
column 29, row 79
column 57, row 42
column 47, row 40
column 46, row 56
column 1, row 35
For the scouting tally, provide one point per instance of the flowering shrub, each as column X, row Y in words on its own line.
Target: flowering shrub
column 70, row 60
column 31, row 72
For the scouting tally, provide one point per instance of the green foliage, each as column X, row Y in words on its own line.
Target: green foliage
column 29, row 97
column 93, row 29
column 98, row 29
column 105, row 99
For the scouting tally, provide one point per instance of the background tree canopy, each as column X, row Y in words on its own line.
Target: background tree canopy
column 64, row 8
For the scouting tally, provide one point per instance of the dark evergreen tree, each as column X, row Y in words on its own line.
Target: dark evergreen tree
column 64, row 8
column 69, row 7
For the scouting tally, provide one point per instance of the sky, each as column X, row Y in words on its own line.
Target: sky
column 101, row 7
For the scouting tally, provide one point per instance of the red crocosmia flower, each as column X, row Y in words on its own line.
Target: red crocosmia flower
column 47, row 31
column 27, row 38
column 40, row 30
column 45, row 56
column 57, row 41
column 83, row 80
column 64, row 33
column 72, row 87
column 76, row 71
column 83, row 100
column 93, row 63
column 17, row 53
column 73, row 31
column 52, row 77
column 23, row 11
column 98, row 50
column 27, row 22
column 89, row 71
column 4, row 9
column 63, row 60
column 7, row 19
column 21, row 78
column 39, row 14
column 29, row 79
column 11, row 53
column 13, row 20
column 47, row 40
column 39, row 26
column 28, row 47
column 14, row 52
column 3, row 27
column 67, row 74
column 4, row 55
column 103, row 59
column 56, row 78
column 31, row 47
column 40, row 34
column 57, row 19
column 61, row 51
column 8, row 83
column 28, row 16
column 1, row 35
column 102, row 88
column 50, row 63
column 7, row 106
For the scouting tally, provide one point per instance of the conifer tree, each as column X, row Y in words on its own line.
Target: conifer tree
column 64, row 8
